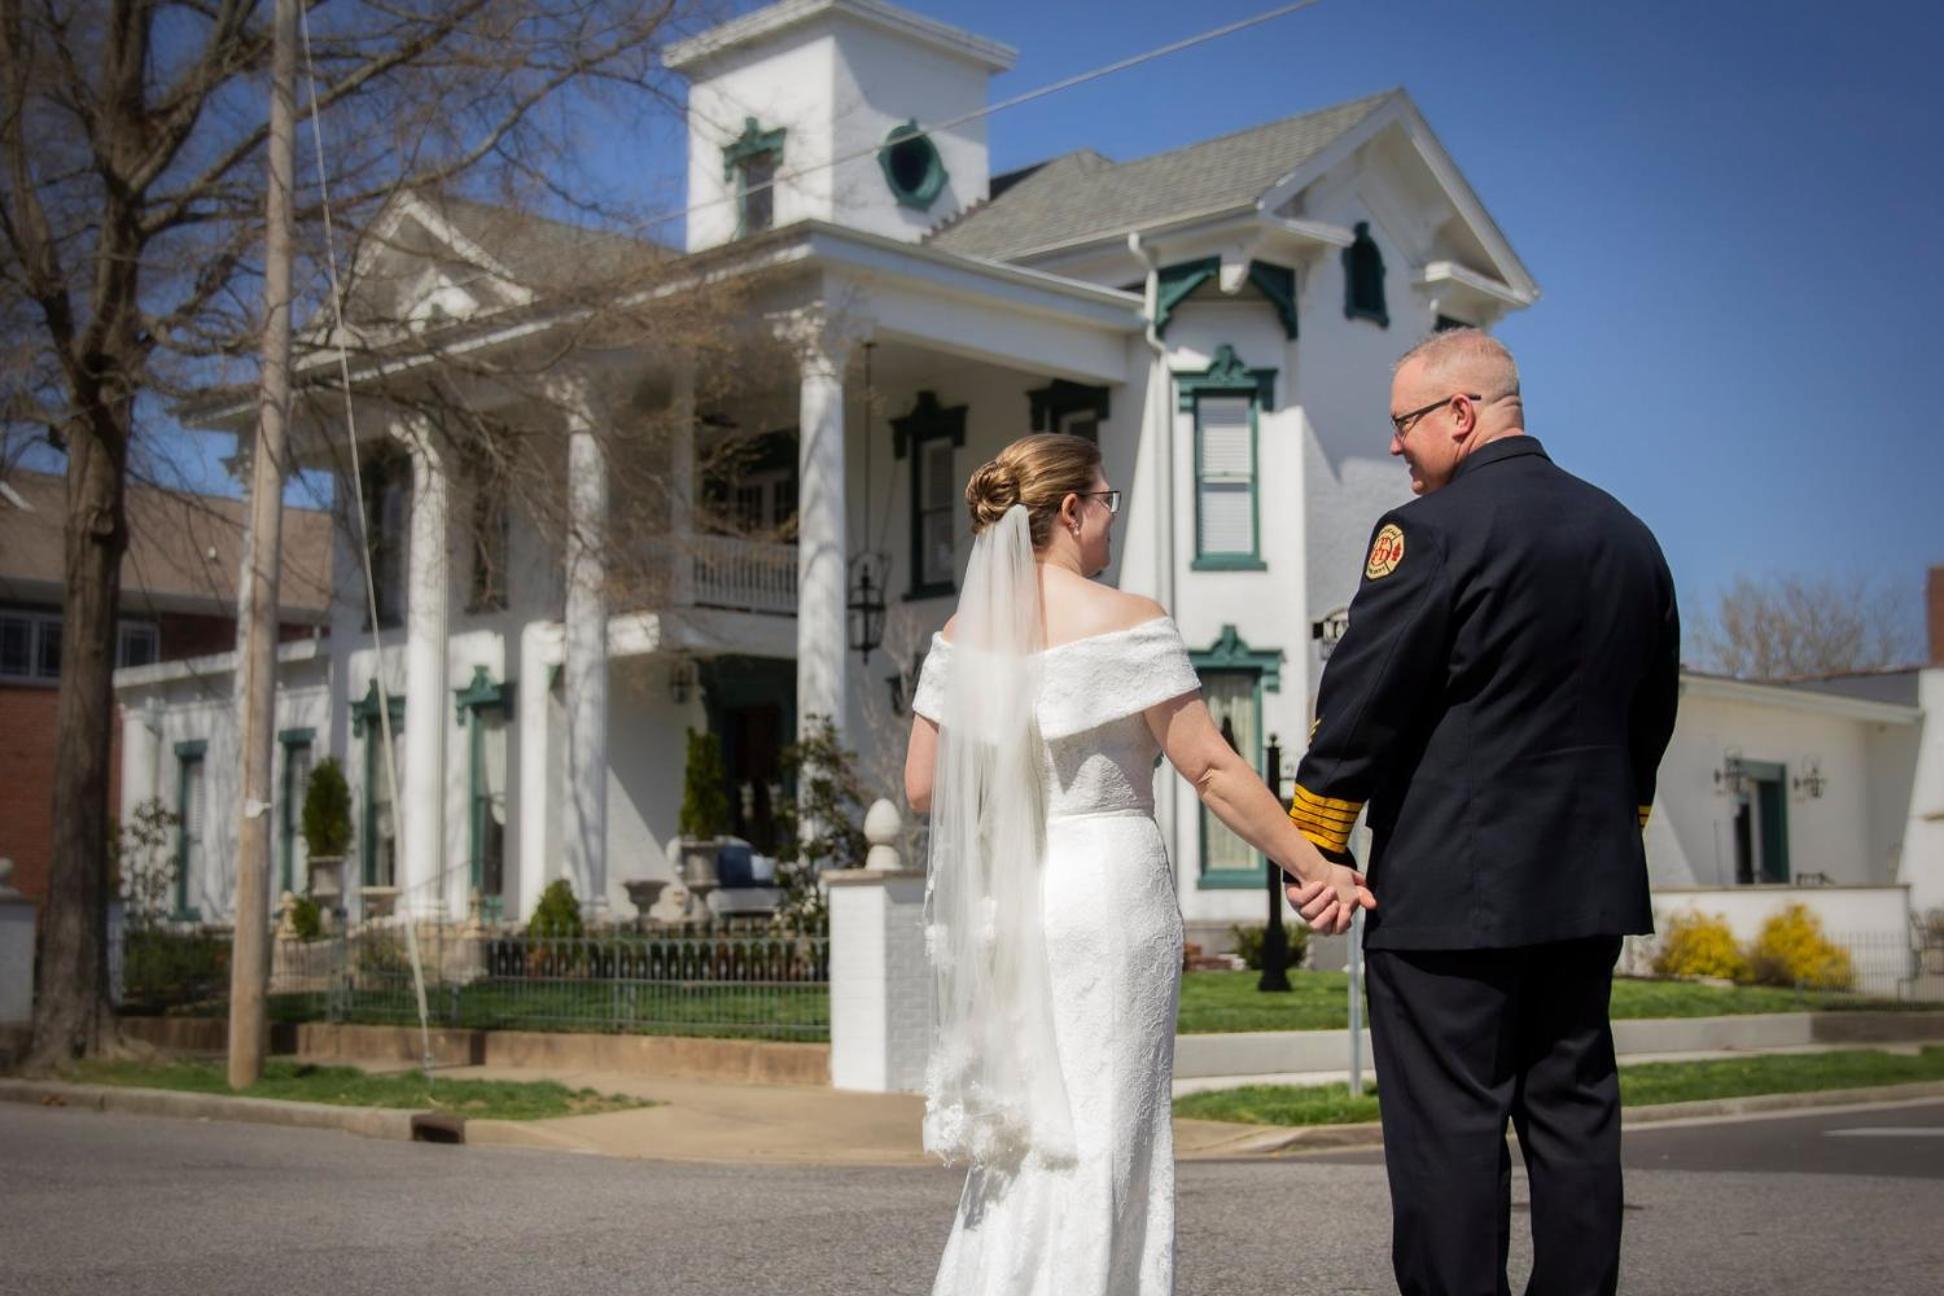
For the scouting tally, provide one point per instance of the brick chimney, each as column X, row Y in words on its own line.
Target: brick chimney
column 1934, row 613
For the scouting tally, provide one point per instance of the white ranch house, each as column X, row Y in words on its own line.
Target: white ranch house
column 1221, row 318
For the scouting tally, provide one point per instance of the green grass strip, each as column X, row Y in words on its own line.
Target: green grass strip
column 1645, row 1085
column 350, row 1087
column 1217, row 1002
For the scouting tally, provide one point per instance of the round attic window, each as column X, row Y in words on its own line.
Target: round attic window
column 912, row 166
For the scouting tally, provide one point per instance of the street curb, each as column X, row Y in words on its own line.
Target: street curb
column 1314, row 1138
column 370, row 1122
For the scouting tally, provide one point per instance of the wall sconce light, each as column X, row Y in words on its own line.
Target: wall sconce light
column 681, row 678
column 1730, row 779
column 1810, row 783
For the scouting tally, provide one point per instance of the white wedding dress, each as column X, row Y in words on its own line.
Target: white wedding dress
column 1103, row 1225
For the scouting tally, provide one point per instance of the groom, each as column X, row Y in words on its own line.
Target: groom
column 1501, row 701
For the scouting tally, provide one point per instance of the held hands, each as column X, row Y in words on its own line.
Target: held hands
column 1329, row 900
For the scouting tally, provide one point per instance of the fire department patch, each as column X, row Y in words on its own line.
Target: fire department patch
column 1386, row 552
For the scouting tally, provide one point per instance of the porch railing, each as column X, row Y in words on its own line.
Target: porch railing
column 744, row 575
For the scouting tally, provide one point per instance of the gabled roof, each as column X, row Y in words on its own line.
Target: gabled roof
column 185, row 551
column 1082, row 195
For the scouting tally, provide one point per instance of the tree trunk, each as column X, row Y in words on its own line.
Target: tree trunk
column 70, row 1010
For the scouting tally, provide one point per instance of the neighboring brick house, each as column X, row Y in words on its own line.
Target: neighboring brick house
column 178, row 600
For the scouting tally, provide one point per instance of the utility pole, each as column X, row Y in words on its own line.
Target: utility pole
column 257, row 600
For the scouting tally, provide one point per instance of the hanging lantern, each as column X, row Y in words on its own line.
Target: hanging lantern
column 866, row 605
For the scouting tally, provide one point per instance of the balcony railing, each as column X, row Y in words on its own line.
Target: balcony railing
column 743, row 575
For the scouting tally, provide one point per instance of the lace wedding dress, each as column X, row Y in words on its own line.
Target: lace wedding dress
column 1101, row 1222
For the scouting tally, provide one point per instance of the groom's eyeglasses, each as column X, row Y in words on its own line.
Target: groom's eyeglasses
column 1111, row 496
column 1402, row 422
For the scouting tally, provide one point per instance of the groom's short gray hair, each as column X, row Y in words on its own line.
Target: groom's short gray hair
column 1473, row 350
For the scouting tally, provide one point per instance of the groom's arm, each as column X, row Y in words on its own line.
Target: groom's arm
column 1388, row 663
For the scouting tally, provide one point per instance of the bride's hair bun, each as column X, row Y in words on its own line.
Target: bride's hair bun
column 994, row 488
column 1038, row 471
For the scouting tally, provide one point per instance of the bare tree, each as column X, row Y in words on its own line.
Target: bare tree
column 131, row 222
column 1792, row 626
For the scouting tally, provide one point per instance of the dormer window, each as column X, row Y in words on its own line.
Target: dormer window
column 912, row 166
column 751, row 160
column 1363, row 279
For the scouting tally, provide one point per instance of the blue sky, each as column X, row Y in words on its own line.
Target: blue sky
column 1732, row 207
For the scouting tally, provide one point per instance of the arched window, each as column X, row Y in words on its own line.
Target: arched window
column 1363, row 279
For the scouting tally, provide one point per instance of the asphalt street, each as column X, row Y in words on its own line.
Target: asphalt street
column 104, row 1204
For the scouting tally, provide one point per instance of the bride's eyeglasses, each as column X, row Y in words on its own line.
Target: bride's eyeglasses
column 1111, row 496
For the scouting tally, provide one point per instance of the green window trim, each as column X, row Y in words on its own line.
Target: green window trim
column 1227, row 376
column 480, row 694
column 737, row 157
column 753, row 142
column 1230, row 654
column 1176, row 283
column 364, row 724
column 928, row 421
column 1773, row 811
column 188, row 755
column 910, row 146
column 289, row 801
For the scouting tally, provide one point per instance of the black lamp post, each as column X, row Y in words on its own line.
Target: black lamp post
column 1275, row 941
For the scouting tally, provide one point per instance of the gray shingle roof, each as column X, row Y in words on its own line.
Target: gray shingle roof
column 1083, row 195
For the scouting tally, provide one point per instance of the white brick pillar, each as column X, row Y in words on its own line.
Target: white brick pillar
column 584, row 812
column 880, row 988
column 429, row 562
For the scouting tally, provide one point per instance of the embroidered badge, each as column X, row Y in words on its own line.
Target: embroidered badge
column 1386, row 552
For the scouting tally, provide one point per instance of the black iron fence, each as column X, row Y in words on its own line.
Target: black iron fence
column 725, row 979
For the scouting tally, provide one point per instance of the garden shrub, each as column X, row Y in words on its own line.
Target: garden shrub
column 1248, row 943
column 1699, row 945
column 1792, row 951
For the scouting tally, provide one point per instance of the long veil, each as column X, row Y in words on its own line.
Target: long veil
column 993, row 1090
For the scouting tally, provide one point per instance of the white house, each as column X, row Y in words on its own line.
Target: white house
column 1220, row 317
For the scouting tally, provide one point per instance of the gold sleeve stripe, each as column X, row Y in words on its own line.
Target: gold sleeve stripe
column 1327, row 839
column 1350, row 808
column 1644, row 812
column 1327, row 818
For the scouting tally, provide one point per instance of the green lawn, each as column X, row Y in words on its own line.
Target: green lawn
column 350, row 1087
column 1640, row 1086
column 1216, row 1002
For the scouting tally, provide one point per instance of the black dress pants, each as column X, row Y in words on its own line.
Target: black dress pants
column 1464, row 1040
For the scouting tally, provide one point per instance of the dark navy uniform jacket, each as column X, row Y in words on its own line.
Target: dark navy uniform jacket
column 1500, row 700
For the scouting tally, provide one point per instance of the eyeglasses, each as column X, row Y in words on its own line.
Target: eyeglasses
column 1402, row 422
column 1111, row 496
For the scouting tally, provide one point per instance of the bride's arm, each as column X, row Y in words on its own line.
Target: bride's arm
column 921, row 759
column 1236, row 795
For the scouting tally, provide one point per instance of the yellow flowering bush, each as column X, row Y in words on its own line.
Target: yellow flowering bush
column 1792, row 951
column 1699, row 945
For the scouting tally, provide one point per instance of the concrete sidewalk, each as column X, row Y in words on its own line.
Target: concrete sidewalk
column 706, row 1120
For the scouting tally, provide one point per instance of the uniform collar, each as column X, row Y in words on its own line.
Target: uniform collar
column 1513, row 447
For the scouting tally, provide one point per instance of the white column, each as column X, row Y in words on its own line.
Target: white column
column 422, row 816
column 584, row 822
column 140, row 747
column 537, row 773
column 821, row 541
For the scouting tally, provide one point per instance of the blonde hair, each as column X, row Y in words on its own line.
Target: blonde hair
column 1037, row 471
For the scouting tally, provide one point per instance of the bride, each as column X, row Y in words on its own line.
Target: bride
column 1051, row 920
